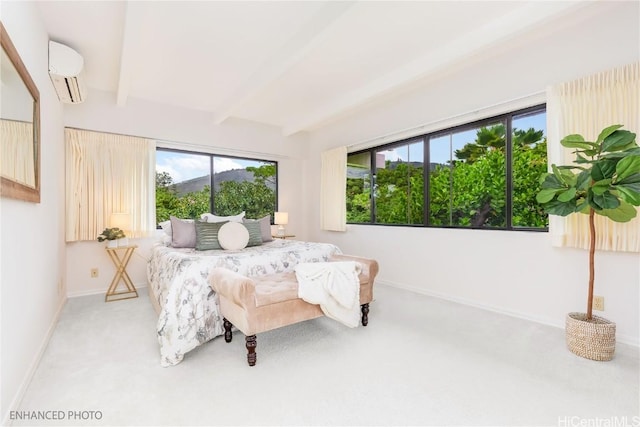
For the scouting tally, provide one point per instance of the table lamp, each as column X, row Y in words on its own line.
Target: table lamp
column 123, row 222
column 281, row 219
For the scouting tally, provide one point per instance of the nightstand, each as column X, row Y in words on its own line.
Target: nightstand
column 286, row 236
column 121, row 257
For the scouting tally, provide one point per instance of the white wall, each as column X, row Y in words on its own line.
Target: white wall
column 185, row 129
column 519, row 273
column 32, row 251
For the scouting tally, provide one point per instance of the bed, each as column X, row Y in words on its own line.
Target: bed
column 188, row 308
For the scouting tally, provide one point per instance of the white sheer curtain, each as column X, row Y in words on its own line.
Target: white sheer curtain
column 105, row 174
column 17, row 143
column 333, row 204
column 586, row 106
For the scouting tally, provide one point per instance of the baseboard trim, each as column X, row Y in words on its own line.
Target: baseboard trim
column 100, row 291
column 15, row 403
column 621, row 338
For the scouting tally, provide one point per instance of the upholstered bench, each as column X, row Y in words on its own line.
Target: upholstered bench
column 262, row 303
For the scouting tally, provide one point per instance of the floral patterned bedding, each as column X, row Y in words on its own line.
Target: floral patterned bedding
column 190, row 313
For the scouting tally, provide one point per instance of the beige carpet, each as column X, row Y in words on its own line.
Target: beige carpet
column 421, row 361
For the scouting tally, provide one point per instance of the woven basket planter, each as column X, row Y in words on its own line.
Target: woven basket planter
column 595, row 339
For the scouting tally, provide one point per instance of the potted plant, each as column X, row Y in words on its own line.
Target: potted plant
column 604, row 180
column 111, row 235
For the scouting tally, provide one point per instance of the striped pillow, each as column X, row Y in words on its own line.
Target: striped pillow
column 207, row 235
column 255, row 233
column 265, row 226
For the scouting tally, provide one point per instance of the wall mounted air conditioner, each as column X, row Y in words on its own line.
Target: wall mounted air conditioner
column 65, row 65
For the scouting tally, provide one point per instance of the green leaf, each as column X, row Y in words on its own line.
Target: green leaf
column 568, row 195
column 618, row 140
column 560, row 208
column 565, row 175
column 630, row 192
column 551, row 181
column 606, row 200
column 583, row 180
column 606, row 132
column 635, row 151
column 601, row 186
column 576, row 141
column 583, row 207
column 630, row 147
column 623, row 213
column 630, row 179
column 543, row 177
column 603, row 169
column 628, row 166
column 546, row 195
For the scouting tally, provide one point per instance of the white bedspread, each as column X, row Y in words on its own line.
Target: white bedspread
column 190, row 313
column 334, row 286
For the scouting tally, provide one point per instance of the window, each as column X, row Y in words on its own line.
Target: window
column 529, row 154
column 399, row 184
column 359, row 187
column 184, row 181
column 467, row 183
column 480, row 175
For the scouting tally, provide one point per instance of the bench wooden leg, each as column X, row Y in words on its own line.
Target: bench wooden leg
column 228, row 335
column 251, row 349
column 364, row 308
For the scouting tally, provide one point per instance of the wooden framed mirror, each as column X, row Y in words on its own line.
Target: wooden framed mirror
column 19, row 127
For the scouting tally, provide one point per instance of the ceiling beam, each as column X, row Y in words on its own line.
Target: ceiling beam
column 132, row 20
column 516, row 22
column 297, row 46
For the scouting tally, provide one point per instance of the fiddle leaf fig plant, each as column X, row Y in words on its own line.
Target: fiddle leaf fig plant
column 604, row 180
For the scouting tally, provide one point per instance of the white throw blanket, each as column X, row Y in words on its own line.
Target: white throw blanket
column 334, row 286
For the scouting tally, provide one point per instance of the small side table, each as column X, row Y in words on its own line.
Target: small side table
column 120, row 260
column 276, row 236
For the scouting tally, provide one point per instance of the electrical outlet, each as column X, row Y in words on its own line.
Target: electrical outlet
column 598, row 303
column 94, row 272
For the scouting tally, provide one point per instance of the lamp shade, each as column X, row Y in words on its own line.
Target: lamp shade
column 121, row 221
column 281, row 218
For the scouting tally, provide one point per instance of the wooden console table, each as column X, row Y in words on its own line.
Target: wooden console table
column 120, row 260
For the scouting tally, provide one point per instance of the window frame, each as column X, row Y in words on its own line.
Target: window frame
column 506, row 119
column 212, row 157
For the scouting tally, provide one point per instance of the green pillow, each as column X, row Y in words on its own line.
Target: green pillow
column 255, row 233
column 207, row 235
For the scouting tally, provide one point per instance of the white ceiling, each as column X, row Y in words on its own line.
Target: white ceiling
column 292, row 64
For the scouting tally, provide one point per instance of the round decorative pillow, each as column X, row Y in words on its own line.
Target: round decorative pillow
column 233, row 236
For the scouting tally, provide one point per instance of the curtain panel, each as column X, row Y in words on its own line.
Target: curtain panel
column 13, row 135
column 586, row 106
column 105, row 174
column 333, row 198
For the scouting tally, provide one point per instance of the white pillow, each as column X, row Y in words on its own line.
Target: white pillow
column 162, row 237
column 233, row 236
column 166, row 227
column 215, row 218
